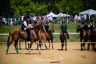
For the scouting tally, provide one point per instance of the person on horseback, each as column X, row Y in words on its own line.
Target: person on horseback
column 86, row 28
column 64, row 29
column 40, row 24
column 27, row 26
column 49, row 27
column 64, row 35
column 46, row 27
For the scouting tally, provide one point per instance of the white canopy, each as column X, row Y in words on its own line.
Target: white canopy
column 51, row 14
column 61, row 14
column 88, row 12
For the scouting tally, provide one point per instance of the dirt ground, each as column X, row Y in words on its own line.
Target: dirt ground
column 72, row 56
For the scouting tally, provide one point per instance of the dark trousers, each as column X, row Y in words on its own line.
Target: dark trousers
column 28, row 34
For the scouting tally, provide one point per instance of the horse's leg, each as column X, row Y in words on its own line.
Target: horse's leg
column 45, row 43
column 52, row 46
column 88, row 46
column 39, row 45
column 19, row 45
column 9, row 43
column 81, row 43
column 49, row 43
column 16, row 45
column 95, row 46
column 62, row 44
column 65, row 44
column 84, row 43
column 52, row 42
column 92, row 46
column 26, row 45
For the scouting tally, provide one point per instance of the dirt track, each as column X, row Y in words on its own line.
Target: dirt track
column 72, row 56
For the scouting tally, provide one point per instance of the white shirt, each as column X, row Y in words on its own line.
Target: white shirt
column 25, row 23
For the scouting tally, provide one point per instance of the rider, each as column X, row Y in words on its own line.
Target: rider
column 64, row 29
column 46, row 27
column 40, row 23
column 86, row 28
column 27, row 26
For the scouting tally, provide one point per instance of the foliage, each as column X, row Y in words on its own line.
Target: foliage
column 42, row 7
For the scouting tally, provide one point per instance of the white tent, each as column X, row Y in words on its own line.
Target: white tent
column 61, row 14
column 51, row 14
column 66, row 15
column 88, row 12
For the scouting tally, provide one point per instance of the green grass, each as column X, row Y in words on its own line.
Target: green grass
column 7, row 29
column 71, row 27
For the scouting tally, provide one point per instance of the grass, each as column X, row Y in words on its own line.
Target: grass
column 7, row 29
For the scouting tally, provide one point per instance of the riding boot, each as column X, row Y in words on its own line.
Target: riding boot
column 49, row 45
column 28, row 34
column 88, row 46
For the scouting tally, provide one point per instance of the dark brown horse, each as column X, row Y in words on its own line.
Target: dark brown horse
column 84, row 38
column 63, row 39
column 16, row 35
column 50, row 37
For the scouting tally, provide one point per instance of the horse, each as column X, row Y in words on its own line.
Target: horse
column 13, row 37
column 42, row 38
column 84, row 37
column 50, row 37
column 93, row 40
column 17, row 34
column 63, row 39
column 45, row 36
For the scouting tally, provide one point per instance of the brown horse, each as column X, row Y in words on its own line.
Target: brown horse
column 45, row 36
column 42, row 37
column 84, row 38
column 50, row 37
column 13, row 37
column 63, row 39
column 17, row 34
